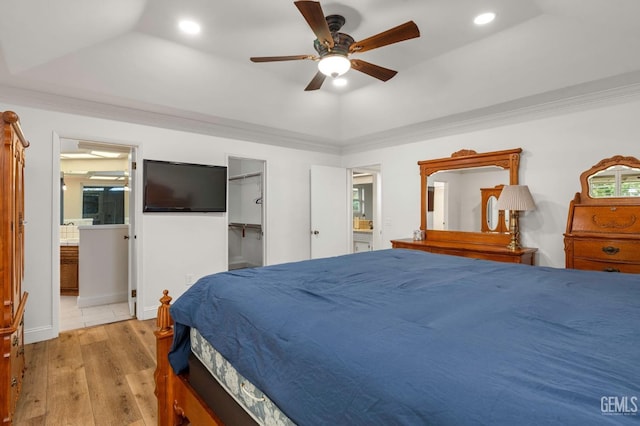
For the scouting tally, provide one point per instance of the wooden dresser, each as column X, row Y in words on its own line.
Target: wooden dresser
column 13, row 146
column 603, row 234
column 498, row 253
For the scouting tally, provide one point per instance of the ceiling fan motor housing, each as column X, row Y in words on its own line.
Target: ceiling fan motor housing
column 341, row 41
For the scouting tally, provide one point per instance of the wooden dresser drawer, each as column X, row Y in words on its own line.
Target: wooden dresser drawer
column 595, row 265
column 606, row 250
column 606, row 219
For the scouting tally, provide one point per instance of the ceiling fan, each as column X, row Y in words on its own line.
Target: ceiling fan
column 334, row 47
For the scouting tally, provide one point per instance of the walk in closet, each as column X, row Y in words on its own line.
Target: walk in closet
column 246, row 213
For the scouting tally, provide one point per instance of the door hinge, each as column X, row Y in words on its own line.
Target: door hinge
column 134, row 293
column 134, row 165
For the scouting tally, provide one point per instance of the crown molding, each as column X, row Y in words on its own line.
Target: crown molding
column 581, row 97
column 598, row 93
column 170, row 119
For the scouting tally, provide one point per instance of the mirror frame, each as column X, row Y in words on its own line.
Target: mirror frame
column 616, row 160
column 465, row 159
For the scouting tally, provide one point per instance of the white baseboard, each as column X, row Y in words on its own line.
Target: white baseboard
column 39, row 334
column 104, row 299
column 149, row 313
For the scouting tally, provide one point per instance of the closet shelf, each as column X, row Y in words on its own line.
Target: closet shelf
column 245, row 176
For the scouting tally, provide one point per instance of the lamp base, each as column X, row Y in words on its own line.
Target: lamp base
column 514, row 244
column 514, row 230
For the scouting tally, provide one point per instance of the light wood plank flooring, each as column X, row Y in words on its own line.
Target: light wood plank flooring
column 101, row 375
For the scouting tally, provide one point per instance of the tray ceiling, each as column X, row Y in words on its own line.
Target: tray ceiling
column 127, row 59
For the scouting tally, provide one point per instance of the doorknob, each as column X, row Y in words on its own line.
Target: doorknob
column 126, row 237
column 315, row 232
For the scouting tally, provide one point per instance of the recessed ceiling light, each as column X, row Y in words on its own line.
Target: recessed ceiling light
column 484, row 18
column 189, row 27
column 339, row 82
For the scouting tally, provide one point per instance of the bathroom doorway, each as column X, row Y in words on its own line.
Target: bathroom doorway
column 366, row 208
column 97, row 236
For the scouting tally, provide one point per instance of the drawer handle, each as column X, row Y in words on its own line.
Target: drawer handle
column 610, row 250
column 611, row 270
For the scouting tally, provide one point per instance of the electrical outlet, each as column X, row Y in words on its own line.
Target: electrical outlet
column 188, row 279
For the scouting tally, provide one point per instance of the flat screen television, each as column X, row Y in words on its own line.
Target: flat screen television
column 184, row 187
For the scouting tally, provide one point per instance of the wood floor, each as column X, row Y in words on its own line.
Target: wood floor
column 101, row 375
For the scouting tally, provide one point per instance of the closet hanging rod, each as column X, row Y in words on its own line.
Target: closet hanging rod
column 245, row 225
column 245, row 176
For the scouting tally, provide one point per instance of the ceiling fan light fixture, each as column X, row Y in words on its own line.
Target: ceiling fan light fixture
column 334, row 65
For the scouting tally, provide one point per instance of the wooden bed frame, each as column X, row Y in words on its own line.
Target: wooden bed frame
column 178, row 402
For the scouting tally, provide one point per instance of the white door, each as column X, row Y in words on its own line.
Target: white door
column 330, row 224
column 439, row 207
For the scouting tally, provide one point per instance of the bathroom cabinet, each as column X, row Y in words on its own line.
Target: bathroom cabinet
column 69, row 270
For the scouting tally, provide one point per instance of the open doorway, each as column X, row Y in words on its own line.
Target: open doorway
column 246, row 213
column 366, row 208
column 437, row 211
column 97, row 258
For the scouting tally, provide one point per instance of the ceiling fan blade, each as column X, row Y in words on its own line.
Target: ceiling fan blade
column 280, row 58
column 406, row 31
column 376, row 71
column 316, row 82
column 312, row 12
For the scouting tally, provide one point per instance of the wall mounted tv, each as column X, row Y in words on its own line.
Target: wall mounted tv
column 184, row 187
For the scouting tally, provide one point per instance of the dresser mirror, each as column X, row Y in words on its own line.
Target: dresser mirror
column 459, row 199
column 479, row 180
column 615, row 181
column 615, row 178
column 456, row 190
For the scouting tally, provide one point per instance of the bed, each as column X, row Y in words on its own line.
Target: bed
column 407, row 337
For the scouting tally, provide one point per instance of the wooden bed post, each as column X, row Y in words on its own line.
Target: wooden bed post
column 177, row 400
column 164, row 373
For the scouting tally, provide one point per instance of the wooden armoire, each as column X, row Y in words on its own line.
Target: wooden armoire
column 12, row 144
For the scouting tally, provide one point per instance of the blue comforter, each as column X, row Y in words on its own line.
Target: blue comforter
column 404, row 337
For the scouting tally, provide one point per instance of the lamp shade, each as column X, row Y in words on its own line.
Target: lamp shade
column 515, row 197
column 334, row 65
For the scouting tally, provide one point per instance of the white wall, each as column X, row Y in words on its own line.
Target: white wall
column 555, row 151
column 173, row 245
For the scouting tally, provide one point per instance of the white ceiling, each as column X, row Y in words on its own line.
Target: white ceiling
column 127, row 58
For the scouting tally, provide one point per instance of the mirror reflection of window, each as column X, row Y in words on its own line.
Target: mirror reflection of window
column 103, row 204
column 616, row 181
column 362, row 196
column 356, row 202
